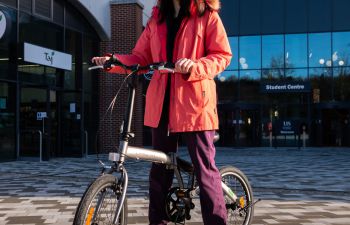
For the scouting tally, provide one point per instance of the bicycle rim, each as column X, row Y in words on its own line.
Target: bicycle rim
column 240, row 186
column 103, row 207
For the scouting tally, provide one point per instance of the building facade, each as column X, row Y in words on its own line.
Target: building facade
column 289, row 78
column 48, row 97
column 288, row 83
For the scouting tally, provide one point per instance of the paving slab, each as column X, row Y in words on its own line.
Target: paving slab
column 300, row 187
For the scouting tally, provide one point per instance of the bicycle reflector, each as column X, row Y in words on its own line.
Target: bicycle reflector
column 241, row 202
column 89, row 216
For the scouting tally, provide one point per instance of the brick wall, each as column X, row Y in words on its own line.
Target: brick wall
column 126, row 22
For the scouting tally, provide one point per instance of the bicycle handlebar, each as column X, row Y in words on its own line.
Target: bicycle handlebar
column 113, row 61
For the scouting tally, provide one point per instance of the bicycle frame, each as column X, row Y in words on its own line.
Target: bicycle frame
column 142, row 153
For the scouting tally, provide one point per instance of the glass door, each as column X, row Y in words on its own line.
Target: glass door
column 38, row 122
column 71, row 118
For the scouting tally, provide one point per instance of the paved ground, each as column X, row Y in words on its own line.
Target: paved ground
column 306, row 187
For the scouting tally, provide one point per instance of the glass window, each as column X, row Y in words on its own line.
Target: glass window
column 250, row 52
column 73, row 41
column 250, row 75
column 249, row 85
column 341, row 15
column 320, row 79
column 272, row 74
column 234, row 48
column 296, row 50
column 296, row 16
column 51, row 38
column 341, row 83
column 272, row 51
column 272, row 16
column 7, row 121
column 229, row 14
column 250, row 17
column 320, row 50
column 320, row 18
column 296, row 74
column 227, row 86
column 341, row 49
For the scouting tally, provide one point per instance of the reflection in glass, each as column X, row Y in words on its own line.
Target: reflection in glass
column 341, row 49
column 250, row 75
column 321, row 79
column 227, row 85
column 250, row 52
column 234, row 48
column 272, row 74
column 272, row 51
column 320, row 50
column 249, row 85
column 341, row 83
column 296, row 50
column 296, row 74
column 227, row 76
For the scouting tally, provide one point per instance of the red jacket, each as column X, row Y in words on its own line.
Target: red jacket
column 192, row 96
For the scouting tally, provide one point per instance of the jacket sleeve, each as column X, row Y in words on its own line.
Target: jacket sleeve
column 217, row 48
column 141, row 54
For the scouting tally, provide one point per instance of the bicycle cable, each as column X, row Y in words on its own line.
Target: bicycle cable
column 110, row 108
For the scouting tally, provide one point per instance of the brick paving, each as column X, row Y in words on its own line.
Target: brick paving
column 297, row 187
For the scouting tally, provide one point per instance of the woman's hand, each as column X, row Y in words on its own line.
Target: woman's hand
column 184, row 65
column 100, row 61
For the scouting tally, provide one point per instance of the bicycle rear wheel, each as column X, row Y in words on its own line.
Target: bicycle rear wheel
column 240, row 212
column 98, row 205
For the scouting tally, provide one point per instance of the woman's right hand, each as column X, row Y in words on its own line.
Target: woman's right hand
column 100, row 61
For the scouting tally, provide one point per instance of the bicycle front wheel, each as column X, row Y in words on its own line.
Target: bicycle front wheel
column 99, row 203
column 239, row 212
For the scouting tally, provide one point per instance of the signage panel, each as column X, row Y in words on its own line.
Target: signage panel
column 284, row 87
column 47, row 57
column 41, row 115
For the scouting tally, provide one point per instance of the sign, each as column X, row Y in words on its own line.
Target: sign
column 287, row 127
column 41, row 115
column 47, row 57
column 3, row 24
column 72, row 107
column 284, row 87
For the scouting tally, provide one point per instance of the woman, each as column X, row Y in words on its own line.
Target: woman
column 190, row 34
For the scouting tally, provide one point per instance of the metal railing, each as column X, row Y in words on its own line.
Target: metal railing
column 86, row 143
column 32, row 132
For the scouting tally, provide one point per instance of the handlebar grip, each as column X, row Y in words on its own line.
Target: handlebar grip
column 95, row 67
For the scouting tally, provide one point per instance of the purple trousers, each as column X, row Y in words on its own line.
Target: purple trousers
column 202, row 152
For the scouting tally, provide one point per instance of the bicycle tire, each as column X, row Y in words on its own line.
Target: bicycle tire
column 235, row 217
column 105, row 186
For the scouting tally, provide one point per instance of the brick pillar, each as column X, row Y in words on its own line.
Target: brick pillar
column 126, row 27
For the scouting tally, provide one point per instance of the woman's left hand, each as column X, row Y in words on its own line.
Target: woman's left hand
column 184, row 65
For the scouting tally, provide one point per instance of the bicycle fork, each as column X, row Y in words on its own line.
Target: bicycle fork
column 124, row 186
